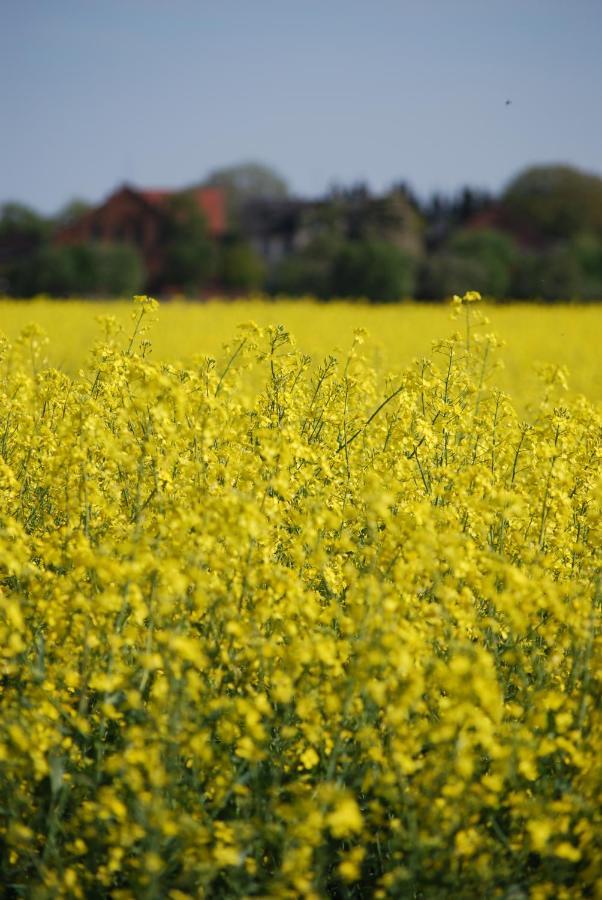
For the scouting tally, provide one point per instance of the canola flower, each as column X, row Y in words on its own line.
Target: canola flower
column 566, row 334
column 278, row 627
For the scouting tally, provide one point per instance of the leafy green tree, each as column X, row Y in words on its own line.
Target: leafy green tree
column 555, row 202
column 308, row 271
column 49, row 270
column 16, row 217
column 391, row 219
column 190, row 254
column 444, row 274
column 78, row 270
column 240, row 267
column 299, row 275
column 588, row 250
column 121, row 270
column 22, row 231
column 568, row 271
column 247, row 181
column 373, row 269
column 71, row 212
column 495, row 253
column 24, row 236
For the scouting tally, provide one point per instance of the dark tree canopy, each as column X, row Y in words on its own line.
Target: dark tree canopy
column 189, row 251
column 248, row 181
column 375, row 270
column 556, row 201
column 493, row 251
column 239, row 267
column 540, row 238
column 71, row 212
column 308, row 271
column 89, row 270
column 22, row 230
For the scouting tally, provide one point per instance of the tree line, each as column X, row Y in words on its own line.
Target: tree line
column 540, row 238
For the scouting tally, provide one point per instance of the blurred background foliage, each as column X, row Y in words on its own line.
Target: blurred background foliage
column 540, row 239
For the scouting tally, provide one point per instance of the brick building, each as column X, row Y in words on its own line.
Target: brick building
column 277, row 228
column 139, row 217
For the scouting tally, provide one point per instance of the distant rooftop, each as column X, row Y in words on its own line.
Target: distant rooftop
column 210, row 201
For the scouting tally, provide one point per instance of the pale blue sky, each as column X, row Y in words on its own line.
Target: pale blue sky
column 158, row 92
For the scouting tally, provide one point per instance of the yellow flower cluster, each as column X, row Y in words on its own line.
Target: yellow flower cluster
column 563, row 333
column 279, row 627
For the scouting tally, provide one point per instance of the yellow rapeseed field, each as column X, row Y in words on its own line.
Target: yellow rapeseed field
column 283, row 621
column 568, row 335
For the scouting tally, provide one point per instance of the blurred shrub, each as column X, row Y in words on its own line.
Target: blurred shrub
column 588, row 250
column 240, row 267
column 190, row 254
column 20, row 225
column 495, row 251
column 444, row 274
column 86, row 269
column 308, row 271
column 567, row 271
column 329, row 267
column 483, row 258
column 373, row 269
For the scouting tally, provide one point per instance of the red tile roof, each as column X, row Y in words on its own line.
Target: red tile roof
column 210, row 200
column 154, row 196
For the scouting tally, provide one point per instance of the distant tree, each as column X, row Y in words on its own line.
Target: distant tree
column 49, row 270
column 551, row 275
column 79, row 270
column 555, row 201
column 405, row 190
column 190, row 255
column 88, row 270
column 71, row 212
column 444, row 274
column 121, row 270
column 22, row 231
column 494, row 251
column 247, row 181
column 308, row 271
column 239, row 267
column 375, row 270
column 390, row 219
column 444, row 214
column 468, row 202
column 357, row 192
column 438, row 220
column 588, row 250
column 568, row 271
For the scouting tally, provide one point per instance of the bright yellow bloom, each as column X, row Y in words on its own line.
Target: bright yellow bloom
column 280, row 622
column 345, row 819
